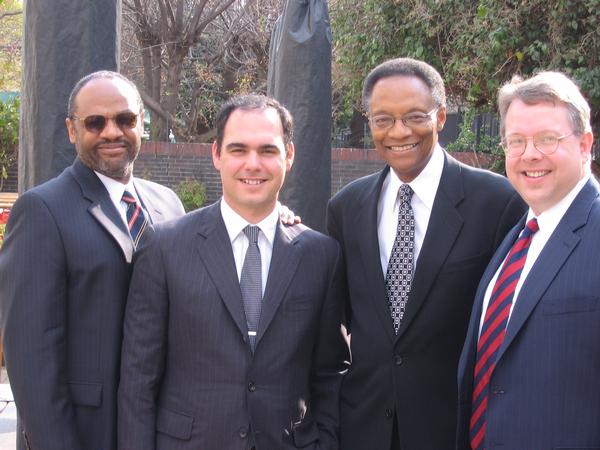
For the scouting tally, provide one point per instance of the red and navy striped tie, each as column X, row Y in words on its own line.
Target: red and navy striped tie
column 494, row 329
column 136, row 220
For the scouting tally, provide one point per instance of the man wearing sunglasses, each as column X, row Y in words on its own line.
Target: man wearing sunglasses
column 65, row 268
column 529, row 370
column 416, row 238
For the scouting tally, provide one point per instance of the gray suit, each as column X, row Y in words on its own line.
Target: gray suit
column 64, row 277
column 189, row 379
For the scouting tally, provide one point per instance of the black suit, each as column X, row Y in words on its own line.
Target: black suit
column 189, row 379
column 412, row 376
column 64, row 277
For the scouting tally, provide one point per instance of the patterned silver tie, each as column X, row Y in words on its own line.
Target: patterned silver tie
column 400, row 267
column 251, row 283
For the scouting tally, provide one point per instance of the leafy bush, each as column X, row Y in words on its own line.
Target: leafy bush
column 192, row 194
column 9, row 136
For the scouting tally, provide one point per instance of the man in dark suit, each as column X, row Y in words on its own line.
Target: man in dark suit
column 529, row 370
column 415, row 238
column 211, row 360
column 65, row 270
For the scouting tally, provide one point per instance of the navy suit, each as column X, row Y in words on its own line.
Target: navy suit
column 64, row 277
column 412, row 375
column 545, row 389
column 189, row 379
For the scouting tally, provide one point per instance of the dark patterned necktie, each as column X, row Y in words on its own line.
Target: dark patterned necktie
column 494, row 329
column 251, row 283
column 400, row 267
column 136, row 220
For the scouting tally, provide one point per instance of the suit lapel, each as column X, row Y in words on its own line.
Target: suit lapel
column 150, row 203
column 284, row 263
column 366, row 231
column 443, row 229
column 214, row 249
column 102, row 208
column 554, row 254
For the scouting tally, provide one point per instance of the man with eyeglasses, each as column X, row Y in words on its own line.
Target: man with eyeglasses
column 416, row 238
column 65, row 268
column 529, row 370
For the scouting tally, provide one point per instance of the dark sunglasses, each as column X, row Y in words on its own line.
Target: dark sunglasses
column 96, row 123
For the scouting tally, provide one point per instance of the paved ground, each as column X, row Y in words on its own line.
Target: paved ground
column 8, row 414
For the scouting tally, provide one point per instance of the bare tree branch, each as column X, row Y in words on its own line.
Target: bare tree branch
column 9, row 14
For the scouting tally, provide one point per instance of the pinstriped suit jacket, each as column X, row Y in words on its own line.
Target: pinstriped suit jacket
column 64, row 277
column 188, row 377
column 545, row 389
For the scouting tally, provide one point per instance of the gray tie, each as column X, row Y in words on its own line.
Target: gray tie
column 400, row 267
column 251, row 283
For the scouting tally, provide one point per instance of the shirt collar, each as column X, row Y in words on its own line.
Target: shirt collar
column 116, row 188
column 426, row 183
column 549, row 219
column 234, row 223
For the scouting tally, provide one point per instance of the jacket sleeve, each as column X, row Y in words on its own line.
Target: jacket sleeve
column 331, row 358
column 144, row 348
column 33, row 301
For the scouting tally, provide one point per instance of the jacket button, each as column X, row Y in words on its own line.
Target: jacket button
column 243, row 433
column 389, row 413
column 498, row 391
column 397, row 360
column 251, row 386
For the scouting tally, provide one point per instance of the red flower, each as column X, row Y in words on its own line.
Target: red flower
column 4, row 213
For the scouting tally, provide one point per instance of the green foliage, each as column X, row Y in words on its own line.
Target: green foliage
column 487, row 142
column 192, row 194
column 476, row 46
column 11, row 26
column 9, row 136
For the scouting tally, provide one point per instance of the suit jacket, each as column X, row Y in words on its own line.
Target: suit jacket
column 64, row 277
column 412, row 375
column 189, row 379
column 545, row 389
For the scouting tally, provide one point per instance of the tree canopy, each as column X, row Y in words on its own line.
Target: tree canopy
column 476, row 45
column 11, row 24
column 189, row 54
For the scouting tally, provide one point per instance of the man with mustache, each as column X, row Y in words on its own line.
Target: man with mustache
column 416, row 238
column 65, row 268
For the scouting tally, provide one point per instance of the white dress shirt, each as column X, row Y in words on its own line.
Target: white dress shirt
column 547, row 223
column 235, row 225
column 425, row 187
column 115, row 191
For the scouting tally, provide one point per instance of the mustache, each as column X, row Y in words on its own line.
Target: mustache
column 122, row 142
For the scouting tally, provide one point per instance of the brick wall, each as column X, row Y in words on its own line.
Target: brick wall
column 169, row 164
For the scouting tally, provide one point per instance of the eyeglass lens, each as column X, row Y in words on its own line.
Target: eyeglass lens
column 544, row 143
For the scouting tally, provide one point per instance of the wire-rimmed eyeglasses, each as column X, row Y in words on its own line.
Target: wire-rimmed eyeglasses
column 545, row 143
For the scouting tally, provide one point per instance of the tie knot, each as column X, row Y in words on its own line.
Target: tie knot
column 405, row 193
column 531, row 227
column 128, row 198
column 251, row 231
